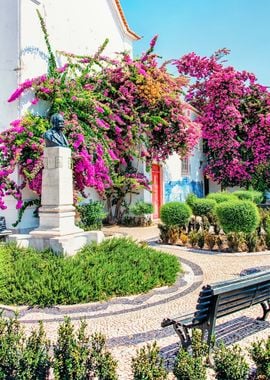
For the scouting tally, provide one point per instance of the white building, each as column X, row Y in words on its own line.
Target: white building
column 79, row 27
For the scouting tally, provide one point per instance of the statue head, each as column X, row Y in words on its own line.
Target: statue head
column 57, row 121
column 55, row 136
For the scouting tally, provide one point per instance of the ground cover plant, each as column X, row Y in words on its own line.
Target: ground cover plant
column 116, row 267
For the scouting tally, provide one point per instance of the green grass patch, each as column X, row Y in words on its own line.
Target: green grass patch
column 116, row 267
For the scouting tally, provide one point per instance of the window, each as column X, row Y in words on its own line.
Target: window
column 185, row 167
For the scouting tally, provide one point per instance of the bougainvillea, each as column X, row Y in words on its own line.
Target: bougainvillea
column 235, row 118
column 117, row 112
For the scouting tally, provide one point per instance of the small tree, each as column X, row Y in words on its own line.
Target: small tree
column 71, row 352
column 148, row 364
column 191, row 365
column 230, row 363
column 234, row 114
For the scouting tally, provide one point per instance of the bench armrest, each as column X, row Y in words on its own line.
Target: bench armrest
column 167, row 322
column 183, row 319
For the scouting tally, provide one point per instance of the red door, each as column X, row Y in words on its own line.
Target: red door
column 156, row 190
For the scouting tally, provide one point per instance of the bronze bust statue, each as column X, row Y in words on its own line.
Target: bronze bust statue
column 54, row 136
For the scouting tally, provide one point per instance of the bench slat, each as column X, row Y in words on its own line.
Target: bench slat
column 237, row 292
column 241, row 283
column 235, row 303
column 240, row 297
column 233, row 308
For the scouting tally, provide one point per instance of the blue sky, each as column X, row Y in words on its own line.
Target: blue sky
column 204, row 26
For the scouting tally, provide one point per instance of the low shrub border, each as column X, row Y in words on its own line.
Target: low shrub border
column 76, row 355
column 221, row 197
column 249, row 195
column 220, row 222
column 116, row 267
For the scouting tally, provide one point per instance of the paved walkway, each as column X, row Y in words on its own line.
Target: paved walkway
column 130, row 322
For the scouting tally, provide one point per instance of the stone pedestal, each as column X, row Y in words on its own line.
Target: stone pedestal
column 57, row 228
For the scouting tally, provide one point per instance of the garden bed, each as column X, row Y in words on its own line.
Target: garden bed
column 221, row 222
column 116, row 267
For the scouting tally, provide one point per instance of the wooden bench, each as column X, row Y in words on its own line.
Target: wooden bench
column 3, row 229
column 221, row 299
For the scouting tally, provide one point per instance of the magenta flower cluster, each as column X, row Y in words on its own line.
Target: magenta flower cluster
column 115, row 110
column 235, row 118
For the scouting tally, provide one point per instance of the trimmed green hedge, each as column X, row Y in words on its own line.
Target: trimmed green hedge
column 220, row 197
column 238, row 216
column 116, row 267
column 175, row 214
column 203, row 206
column 249, row 195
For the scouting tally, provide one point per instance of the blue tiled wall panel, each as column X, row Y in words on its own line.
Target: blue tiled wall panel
column 178, row 190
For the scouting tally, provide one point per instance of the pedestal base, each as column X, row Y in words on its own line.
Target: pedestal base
column 69, row 245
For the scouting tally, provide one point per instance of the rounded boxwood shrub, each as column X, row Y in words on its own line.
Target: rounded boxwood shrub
column 220, row 197
column 203, row 206
column 175, row 214
column 238, row 216
column 190, row 199
column 249, row 195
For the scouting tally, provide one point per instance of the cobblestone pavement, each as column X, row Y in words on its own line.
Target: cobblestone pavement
column 130, row 322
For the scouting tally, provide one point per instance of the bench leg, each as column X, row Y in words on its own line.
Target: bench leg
column 183, row 333
column 266, row 310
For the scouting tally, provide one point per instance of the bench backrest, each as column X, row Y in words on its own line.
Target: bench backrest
column 2, row 223
column 227, row 297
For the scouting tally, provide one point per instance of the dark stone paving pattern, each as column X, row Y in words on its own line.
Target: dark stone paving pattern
column 253, row 270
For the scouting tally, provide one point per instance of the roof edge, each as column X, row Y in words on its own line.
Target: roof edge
column 123, row 19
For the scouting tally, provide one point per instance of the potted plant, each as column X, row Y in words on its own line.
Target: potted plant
column 142, row 211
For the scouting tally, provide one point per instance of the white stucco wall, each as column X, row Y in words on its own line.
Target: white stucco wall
column 78, row 27
column 9, row 59
column 215, row 187
column 9, row 74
